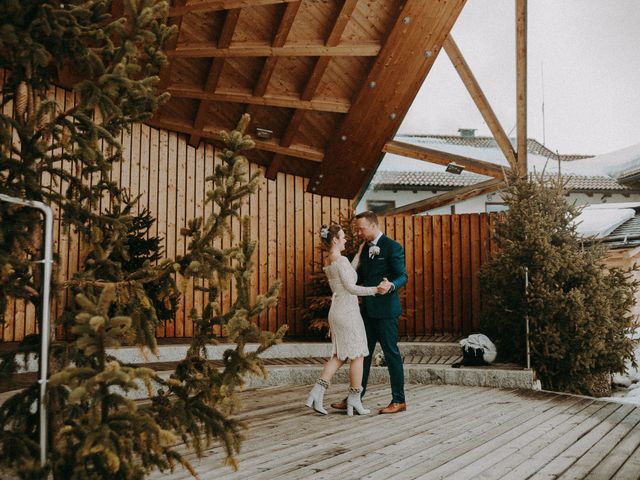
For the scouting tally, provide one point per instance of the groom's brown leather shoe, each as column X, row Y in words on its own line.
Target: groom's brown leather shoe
column 341, row 405
column 393, row 408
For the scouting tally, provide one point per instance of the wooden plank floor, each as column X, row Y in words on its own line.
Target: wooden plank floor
column 450, row 432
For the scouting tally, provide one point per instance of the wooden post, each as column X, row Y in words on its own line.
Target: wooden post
column 521, row 81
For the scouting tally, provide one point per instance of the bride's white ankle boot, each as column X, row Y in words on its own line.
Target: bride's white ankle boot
column 316, row 397
column 354, row 402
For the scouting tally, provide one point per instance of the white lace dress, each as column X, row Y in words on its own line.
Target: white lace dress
column 348, row 336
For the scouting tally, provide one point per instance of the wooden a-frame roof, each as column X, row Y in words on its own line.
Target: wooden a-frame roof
column 331, row 79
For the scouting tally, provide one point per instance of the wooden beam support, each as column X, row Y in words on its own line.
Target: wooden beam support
column 398, row 72
column 443, row 158
column 213, row 133
column 521, row 82
column 284, row 101
column 226, row 35
column 207, row 49
column 165, row 71
column 308, row 92
column 216, row 5
column 279, row 39
column 447, row 198
column 473, row 87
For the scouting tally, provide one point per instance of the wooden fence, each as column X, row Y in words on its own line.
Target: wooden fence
column 443, row 253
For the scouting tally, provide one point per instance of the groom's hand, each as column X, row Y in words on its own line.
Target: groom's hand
column 384, row 286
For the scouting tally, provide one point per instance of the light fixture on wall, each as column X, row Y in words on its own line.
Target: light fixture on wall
column 264, row 133
column 454, row 168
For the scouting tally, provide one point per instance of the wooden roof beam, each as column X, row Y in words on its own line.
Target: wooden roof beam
column 213, row 133
column 216, row 5
column 453, row 196
column 399, row 70
column 279, row 39
column 478, row 96
column 444, row 158
column 208, row 49
column 283, row 101
column 308, row 92
column 165, row 71
column 226, row 35
column 521, row 85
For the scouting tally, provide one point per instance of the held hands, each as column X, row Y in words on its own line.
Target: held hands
column 384, row 286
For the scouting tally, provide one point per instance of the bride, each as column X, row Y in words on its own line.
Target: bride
column 348, row 337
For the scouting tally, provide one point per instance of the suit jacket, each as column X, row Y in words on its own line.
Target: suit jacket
column 389, row 263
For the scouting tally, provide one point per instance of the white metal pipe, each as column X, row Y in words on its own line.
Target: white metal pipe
column 46, row 312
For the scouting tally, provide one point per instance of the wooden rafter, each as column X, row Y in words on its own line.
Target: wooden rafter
column 284, row 101
column 478, row 96
column 444, row 158
column 165, row 71
column 226, row 35
column 411, row 46
column 447, row 198
column 208, row 49
column 308, row 92
column 216, row 5
column 212, row 132
column 521, row 85
column 279, row 39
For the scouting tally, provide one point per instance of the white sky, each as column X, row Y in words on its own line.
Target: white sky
column 590, row 52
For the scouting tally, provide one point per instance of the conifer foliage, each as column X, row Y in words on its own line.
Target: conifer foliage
column 578, row 309
column 124, row 289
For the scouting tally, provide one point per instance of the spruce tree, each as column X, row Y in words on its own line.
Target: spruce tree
column 95, row 431
column 318, row 298
column 578, row 309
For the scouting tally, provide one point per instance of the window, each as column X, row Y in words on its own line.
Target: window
column 380, row 205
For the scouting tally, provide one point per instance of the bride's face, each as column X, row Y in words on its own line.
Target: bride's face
column 340, row 241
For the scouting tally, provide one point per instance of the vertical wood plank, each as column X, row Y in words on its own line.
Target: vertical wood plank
column 475, row 268
column 263, row 247
column 456, row 275
column 447, row 310
column 418, row 275
column 281, row 234
column 171, row 188
column 272, row 230
column 465, row 255
column 162, row 202
column 427, row 239
column 300, row 246
column 437, row 275
column 406, row 294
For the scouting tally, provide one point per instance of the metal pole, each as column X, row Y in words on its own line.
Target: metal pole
column 526, row 317
column 46, row 311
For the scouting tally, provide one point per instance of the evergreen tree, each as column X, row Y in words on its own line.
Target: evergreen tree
column 95, row 431
column 318, row 298
column 578, row 309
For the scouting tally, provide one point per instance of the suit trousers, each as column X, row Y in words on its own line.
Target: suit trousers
column 385, row 331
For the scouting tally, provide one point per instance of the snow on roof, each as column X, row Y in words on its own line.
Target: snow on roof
column 608, row 164
column 599, row 222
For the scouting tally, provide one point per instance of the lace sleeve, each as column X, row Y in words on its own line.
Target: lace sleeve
column 345, row 270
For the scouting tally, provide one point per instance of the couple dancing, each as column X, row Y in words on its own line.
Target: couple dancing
column 355, row 329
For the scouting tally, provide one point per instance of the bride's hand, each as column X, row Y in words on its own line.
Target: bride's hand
column 360, row 248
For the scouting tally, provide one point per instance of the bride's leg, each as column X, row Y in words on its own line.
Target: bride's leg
column 355, row 372
column 316, row 396
column 354, row 402
column 330, row 368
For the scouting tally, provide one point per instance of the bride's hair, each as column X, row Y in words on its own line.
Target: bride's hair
column 327, row 234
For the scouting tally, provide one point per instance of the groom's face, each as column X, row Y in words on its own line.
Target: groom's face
column 367, row 231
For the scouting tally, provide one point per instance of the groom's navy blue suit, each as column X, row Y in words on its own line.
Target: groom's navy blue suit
column 380, row 312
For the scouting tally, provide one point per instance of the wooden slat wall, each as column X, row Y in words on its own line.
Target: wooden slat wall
column 443, row 254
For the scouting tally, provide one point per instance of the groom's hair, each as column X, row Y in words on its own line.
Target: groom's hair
column 369, row 215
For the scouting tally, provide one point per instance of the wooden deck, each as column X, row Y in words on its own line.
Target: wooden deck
column 448, row 432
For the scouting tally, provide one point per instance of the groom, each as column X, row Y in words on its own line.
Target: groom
column 381, row 260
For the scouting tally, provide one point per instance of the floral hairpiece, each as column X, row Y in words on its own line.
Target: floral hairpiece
column 324, row 232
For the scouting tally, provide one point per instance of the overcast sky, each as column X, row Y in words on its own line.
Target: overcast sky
column 589, row 51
